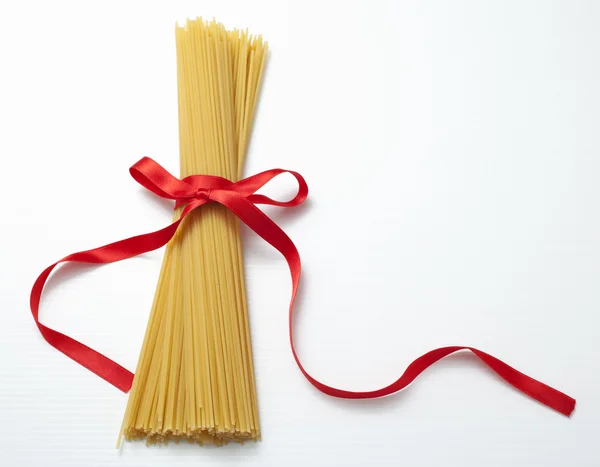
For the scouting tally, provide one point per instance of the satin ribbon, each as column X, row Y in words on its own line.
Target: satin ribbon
column 240, row 198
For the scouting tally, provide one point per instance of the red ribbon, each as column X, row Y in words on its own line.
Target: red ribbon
column 240, row 198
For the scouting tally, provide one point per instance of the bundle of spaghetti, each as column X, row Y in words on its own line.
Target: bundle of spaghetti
column 195, row 376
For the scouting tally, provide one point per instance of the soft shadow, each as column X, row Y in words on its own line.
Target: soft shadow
column 65, row 272
column 163, row 204
column 281, row 216
column 231, row 452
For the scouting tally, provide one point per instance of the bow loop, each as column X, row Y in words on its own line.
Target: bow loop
column 155, row 178
column 250, row 185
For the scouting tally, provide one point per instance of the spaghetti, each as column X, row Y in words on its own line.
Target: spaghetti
column 195, row 376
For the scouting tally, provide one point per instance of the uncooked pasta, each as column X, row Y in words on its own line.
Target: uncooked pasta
column 195, row 376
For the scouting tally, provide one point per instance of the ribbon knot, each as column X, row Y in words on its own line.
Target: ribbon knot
column 203, row 193
column 241, row 199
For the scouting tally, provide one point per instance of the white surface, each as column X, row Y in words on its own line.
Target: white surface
column 451, row 150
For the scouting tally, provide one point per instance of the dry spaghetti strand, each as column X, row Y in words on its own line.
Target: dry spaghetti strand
column 195, row 376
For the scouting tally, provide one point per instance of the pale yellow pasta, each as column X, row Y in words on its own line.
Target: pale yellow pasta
column 195, row 376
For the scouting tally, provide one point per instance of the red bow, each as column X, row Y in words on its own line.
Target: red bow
column 240, row 198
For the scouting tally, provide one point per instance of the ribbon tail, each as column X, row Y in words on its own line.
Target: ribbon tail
column 537, row 390
column 94, row 361
column 272, row 233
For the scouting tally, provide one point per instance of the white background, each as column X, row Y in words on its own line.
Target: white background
column 451, row 150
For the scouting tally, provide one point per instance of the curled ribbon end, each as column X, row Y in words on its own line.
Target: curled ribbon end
column 570, row 407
